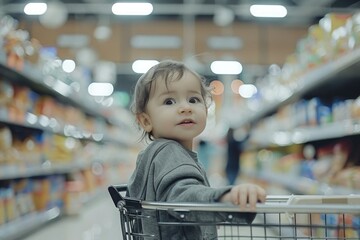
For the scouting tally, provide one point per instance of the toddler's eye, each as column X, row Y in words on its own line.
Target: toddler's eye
column 194, row 100
column 169, row 101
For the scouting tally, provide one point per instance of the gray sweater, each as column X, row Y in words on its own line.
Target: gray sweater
column 167, row 172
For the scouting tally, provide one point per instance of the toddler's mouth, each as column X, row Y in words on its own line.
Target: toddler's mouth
column 186, row 121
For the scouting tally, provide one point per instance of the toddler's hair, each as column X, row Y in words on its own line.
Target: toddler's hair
column 168, row 70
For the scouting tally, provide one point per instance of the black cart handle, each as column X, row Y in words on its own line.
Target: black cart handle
column 118, row 198
column 114, row 191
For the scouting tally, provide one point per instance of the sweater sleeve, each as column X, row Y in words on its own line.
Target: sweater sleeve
column 178, row 178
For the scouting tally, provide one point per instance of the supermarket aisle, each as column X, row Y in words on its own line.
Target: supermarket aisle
column 99, row 220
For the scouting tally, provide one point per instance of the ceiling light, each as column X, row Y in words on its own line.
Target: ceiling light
column 247, row 90
column 142, row 66
column 273, row 11
column 226, row 67
column 68, row 65
column 35, row 8
column 100, row 89
column 132, row 8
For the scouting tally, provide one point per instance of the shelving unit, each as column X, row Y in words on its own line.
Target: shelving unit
column 301, row 185
column 13, row 172
column 28, row 223
column 340, row 76
column 34, row 80
column 302, row 135
column 345, row 66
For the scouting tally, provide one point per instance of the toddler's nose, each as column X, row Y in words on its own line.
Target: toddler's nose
column 185, row 108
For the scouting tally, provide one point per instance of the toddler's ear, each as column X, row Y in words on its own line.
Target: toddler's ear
column 144, row 121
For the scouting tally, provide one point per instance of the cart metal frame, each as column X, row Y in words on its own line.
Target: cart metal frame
column 275, row 219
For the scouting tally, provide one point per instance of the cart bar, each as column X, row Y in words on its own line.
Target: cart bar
column 263, row 208
column 274, row 203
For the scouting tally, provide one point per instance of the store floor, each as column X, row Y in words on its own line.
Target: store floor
column 99, row 220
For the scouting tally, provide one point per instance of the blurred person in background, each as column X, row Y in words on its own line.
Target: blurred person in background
column 235, row 144
column 204, row 150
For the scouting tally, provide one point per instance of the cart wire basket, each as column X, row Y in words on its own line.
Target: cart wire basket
column 315, row 217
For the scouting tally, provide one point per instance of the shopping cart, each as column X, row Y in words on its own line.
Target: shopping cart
column 281, row 217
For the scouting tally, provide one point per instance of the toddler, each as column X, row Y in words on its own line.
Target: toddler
column 170, row 105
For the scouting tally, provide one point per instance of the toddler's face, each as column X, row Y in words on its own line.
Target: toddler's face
column 176, row 111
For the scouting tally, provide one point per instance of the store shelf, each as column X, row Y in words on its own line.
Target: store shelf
column 56, row 88
column 345, row 66
column 53, row 126
column 28, row 223
column 46, row 124
column 302, row 135
column 301, row 185
column 47, row 168
column 20, row 227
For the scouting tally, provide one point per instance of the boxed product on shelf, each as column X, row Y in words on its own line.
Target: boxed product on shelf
column 301, row 113
column 355, row 109
column 284, row 118
column 60, row 149
column 14, row 50
column 23, row 196
column 324, row 113
column 318, row 112
column 18, row 46
column 73, row 116
column 89, row 180
column 353, row 29
column 289, row 164
column 45, row 105
column 41, row 193
column 323, row 164
column 72, row 197
column 48, row 192
column 19, row 104
column 310, row 113
column 57, row 188
column 32, row 49
column 5, row 143
column 334, row 35
column 279, row 161
column 330, row 159
column 2, row 207
column 29, row 150
column 334, row 26
column 342, row 109
column 313, row 50
column 16, row 199
column 335, row 223
column 348, row 177
column 11, row 212
column 6, row 95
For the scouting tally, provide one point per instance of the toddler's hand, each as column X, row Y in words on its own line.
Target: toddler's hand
column 244, row 194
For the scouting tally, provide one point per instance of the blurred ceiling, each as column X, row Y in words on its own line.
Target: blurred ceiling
column 300, row 12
